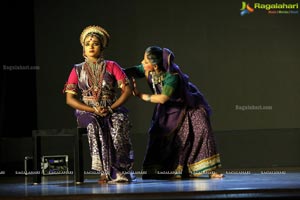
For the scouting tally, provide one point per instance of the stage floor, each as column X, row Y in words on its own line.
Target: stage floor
column 237, row 184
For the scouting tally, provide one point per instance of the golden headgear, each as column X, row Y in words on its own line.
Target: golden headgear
column 98, row 30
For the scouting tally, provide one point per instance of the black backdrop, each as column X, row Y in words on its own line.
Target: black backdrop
column 18, row 82
column 235, row 60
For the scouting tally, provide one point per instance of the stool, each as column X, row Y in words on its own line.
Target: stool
column 78, row 153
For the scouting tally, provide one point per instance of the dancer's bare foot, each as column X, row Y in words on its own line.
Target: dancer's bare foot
column 216, row 175
column 103, row 179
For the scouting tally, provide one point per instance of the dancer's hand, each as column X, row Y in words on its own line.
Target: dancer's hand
column 101, row 111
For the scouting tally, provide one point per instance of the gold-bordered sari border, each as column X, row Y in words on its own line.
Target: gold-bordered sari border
column 204, row 166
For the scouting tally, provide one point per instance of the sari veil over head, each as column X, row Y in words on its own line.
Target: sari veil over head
column 192, row 96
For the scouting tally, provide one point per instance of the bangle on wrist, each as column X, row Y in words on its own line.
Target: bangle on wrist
column 96, row 110
column 110, row 109
column 148, row 98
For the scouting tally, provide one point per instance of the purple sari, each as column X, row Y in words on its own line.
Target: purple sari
column 181, row 141
column 108, row 137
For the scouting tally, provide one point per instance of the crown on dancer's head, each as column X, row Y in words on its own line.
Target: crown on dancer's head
column 98, row 31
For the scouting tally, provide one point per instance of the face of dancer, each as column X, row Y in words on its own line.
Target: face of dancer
column 148, row 66
column 92, row 47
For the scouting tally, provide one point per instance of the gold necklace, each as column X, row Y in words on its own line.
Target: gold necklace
column 156, row 78
column 95, row 77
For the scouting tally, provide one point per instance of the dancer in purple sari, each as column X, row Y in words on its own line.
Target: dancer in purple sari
column 181, row 142
column 100, row 109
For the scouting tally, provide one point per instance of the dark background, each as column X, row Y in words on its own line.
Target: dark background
column 234, row 60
